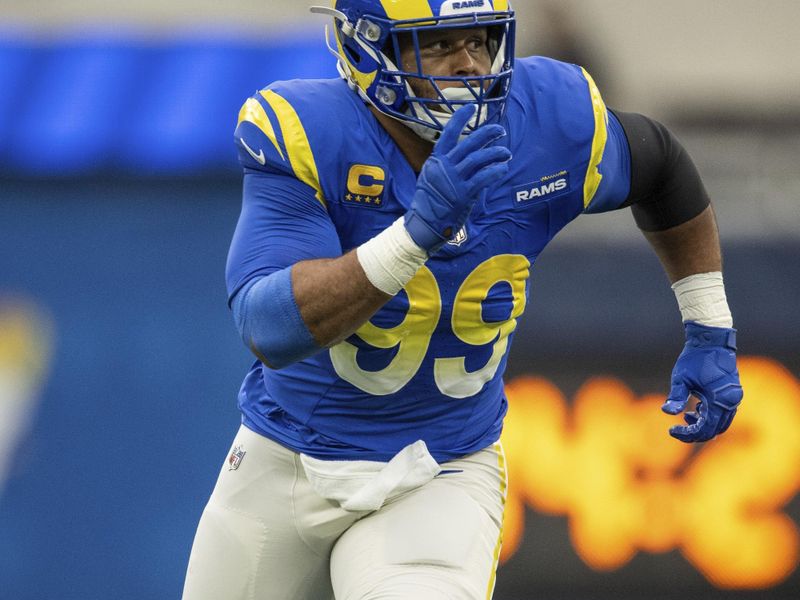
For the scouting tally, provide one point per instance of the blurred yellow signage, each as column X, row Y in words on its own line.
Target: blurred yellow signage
column 606, row 462
column 25, row 343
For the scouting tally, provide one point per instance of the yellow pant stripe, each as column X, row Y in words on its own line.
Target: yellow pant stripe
column 254, row 113
column 501, row 464
column 593, row 176
column 296, row 141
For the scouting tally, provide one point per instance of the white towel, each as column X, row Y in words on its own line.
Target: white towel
column 365, row 485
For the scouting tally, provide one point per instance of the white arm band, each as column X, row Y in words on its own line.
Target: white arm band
column 391, row 258
column 701, row 298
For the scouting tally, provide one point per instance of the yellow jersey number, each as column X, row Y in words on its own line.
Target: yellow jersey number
column 413, row 335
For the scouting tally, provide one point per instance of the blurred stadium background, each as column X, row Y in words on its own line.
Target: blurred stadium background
column 119, row 364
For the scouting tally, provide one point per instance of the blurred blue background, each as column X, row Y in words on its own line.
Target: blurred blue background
column 96, row 100
column 119, row 192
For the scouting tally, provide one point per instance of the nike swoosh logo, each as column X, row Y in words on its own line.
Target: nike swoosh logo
column 259, row 157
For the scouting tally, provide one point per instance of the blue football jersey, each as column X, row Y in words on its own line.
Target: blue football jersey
column 322, row 177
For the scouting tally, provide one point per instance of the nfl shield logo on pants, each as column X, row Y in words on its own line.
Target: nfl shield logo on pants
column 235, row 459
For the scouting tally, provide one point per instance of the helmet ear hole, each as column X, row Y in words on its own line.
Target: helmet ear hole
column 353, row 56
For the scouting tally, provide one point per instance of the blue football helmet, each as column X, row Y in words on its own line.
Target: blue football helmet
column 368, row 41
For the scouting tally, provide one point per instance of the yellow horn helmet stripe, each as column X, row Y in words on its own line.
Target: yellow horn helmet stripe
column 364, row 80
column 399, row 10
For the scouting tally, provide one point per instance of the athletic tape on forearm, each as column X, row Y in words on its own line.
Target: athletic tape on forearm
column 391, row 258
column 701, row 298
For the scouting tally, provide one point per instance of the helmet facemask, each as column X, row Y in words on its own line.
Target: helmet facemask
column 369, row 51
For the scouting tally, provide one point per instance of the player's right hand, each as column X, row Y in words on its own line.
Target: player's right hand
column 454, row 178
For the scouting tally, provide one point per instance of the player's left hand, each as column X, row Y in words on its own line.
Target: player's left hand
column 706, row 369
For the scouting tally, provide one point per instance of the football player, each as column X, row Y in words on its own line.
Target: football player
column 381, row 261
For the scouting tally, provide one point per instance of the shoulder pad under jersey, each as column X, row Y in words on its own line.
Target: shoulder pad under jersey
column 294, row 127
column 565, row 101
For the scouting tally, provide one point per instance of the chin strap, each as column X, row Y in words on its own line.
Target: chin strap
column 455, row 94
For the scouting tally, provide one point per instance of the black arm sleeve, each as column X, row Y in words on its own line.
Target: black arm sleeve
column 666, row 189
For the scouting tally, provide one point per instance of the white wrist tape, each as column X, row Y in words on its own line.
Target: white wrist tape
column 701, row 298
column 391, row 258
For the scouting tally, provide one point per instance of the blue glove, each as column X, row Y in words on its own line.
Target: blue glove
column 707, row 369
column 453, row 179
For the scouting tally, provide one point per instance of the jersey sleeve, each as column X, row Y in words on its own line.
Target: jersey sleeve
column 558, row 106
column 271, row 137
column 608, row 176
column 281, row 223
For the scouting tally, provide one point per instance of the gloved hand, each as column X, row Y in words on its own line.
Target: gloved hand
column 707, row 369
column 453, row 179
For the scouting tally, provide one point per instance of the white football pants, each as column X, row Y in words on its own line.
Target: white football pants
column 265, row 534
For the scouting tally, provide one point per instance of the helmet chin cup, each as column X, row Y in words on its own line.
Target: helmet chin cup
column 435, row 119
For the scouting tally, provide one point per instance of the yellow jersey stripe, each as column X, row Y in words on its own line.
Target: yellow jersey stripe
column 407, row 9
column 254, row 113
column 296, row 141
column 501, row 464
column 593, row 176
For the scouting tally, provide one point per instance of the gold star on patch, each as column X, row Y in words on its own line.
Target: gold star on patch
column 349, row 196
